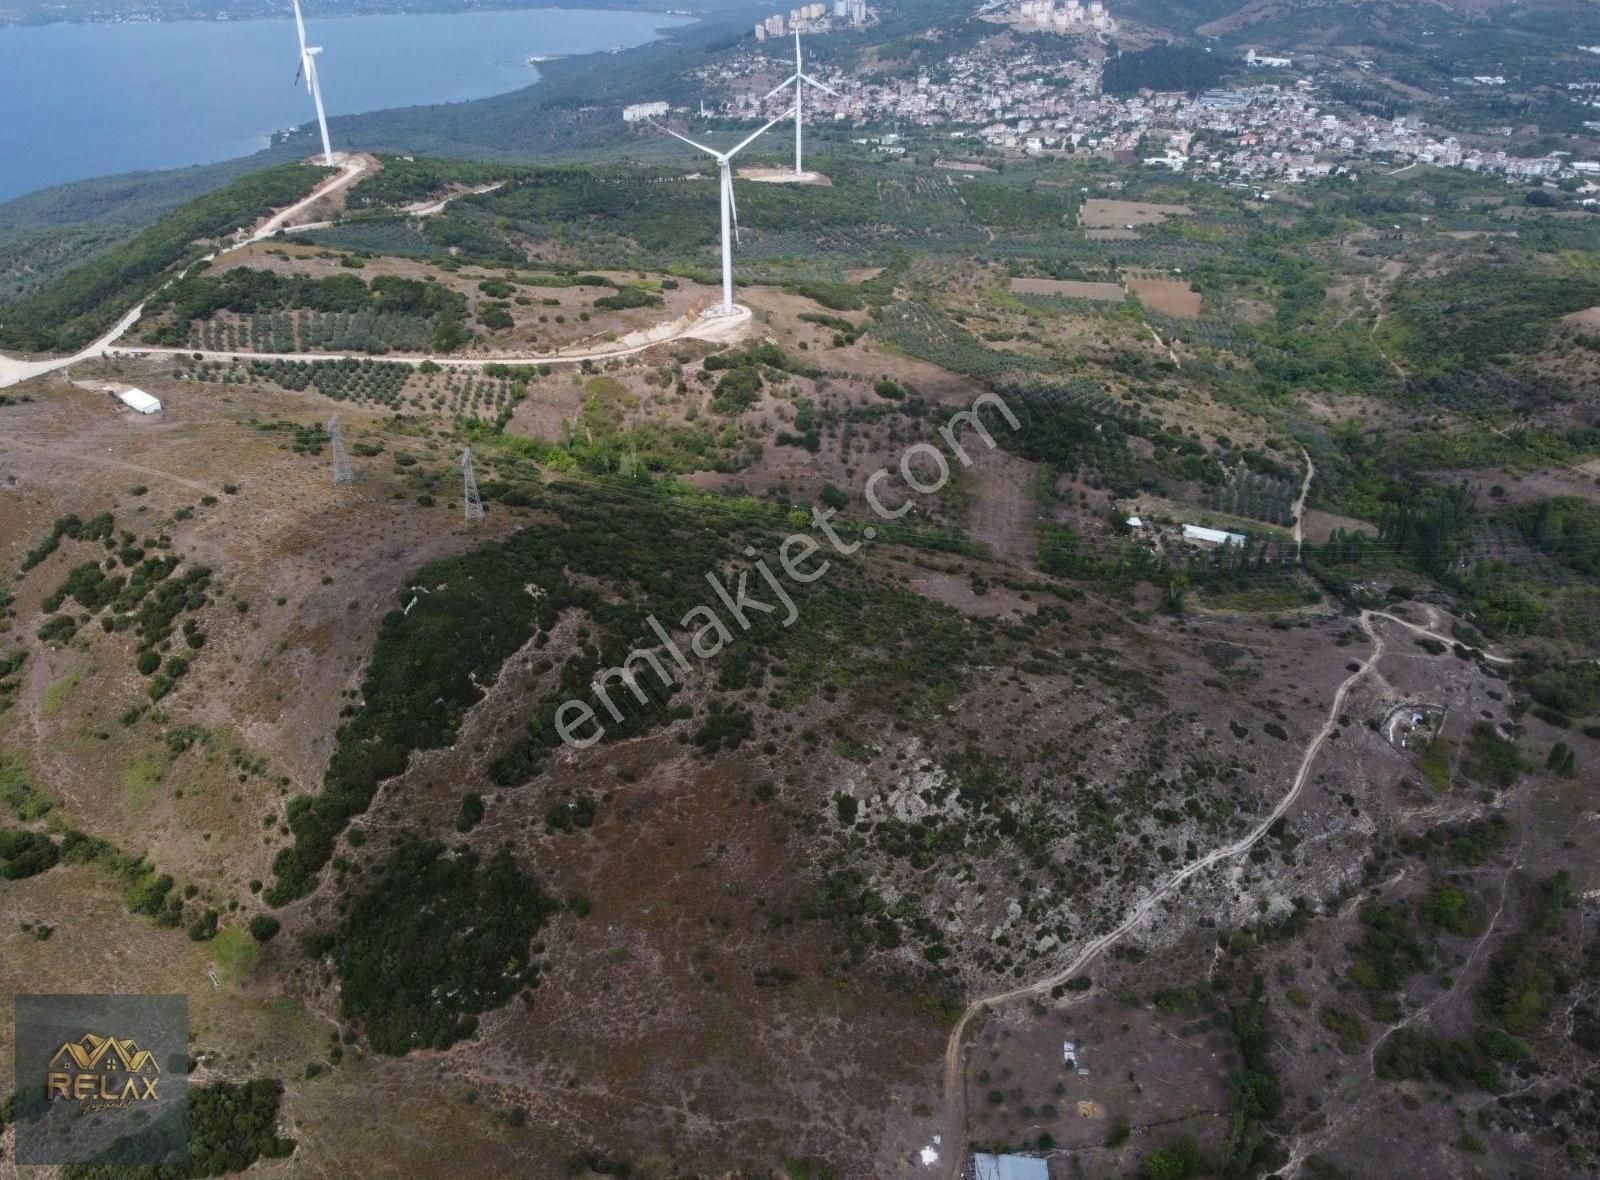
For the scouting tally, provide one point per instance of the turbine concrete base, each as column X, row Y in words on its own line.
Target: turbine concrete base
column 784, row 176
column 716, row 325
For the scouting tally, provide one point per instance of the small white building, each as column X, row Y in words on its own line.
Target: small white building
column 1262, row 61
column 139, row 401
column 1009, row 1167
column 1195, row 532
column 639, row 112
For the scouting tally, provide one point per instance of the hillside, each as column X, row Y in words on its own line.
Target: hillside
column 1287, row 837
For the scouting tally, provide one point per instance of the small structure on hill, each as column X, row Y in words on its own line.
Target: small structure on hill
column 1195, row 532
column 1007, row 1167
column 343, row 472
column 139, row 401
column 643, row 112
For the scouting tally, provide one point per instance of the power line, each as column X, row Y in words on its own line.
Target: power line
column 471, row 501
column 343, row 472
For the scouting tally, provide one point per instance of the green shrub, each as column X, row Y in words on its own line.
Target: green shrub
column 26, row 854
column 1179, row 1160
column 435, row 940
column 471, row 813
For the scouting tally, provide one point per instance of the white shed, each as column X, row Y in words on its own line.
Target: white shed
column 140, row 401
column 1195, row 532
column 1009, row 1167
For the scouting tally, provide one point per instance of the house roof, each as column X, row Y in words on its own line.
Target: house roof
column 1195, row 532
column 1009, row 1167
column 138, row 399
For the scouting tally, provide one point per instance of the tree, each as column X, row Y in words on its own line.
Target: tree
column 1172, row 598
column 1562, row 760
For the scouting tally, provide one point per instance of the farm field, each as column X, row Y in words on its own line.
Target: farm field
column 1105, row 213
column 1172, row 297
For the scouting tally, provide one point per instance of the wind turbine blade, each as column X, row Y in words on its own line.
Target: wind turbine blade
column 784, row 85
column 810, row 81
column 300, row 25
column 735, row 151
column 733, row 205
column 299, row 69
column 708, row 151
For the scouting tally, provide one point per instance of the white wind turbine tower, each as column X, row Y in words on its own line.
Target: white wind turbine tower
column 799, row 80
column 730, row 208
column 308, row 67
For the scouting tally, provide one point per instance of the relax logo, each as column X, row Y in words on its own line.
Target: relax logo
column 102, row 1071
column 101, row 1079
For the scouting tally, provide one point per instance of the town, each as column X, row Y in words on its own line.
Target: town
column 1284, row 130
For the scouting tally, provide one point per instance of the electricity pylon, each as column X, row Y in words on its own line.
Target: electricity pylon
column 470, row 500
column 342, row 471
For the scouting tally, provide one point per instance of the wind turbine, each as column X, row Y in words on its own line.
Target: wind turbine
column 308, row 67
column 730, row 208
column 799, row 79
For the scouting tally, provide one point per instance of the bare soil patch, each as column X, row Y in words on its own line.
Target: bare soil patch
column 1174, row 297
column 1003, row 510
column 1099, row 213
column 784, row 176
column 1587, row 320
column 1319, row 525
column 960, row 592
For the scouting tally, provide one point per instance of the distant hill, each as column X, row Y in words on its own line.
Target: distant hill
column 1311, row 23
column 1163, row 67
column 1422, row 53
column 1308, row 24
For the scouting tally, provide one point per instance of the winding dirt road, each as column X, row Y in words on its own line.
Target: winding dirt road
column 953, row 1120
column 689, row 327
column 1300, row 505
column 713, row 329
column 13, row 370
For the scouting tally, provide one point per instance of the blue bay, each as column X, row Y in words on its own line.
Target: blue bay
column 96, row 99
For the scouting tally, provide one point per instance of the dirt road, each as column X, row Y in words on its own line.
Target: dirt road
column 716, row 330
column 350, row 170
column 1300, row 506
column 1427, row 634
column 1171, row 352
column 434, row 208
column 720, row 328
column 13, row 371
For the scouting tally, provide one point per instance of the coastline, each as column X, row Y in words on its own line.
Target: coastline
column 206, row 116
column 335, row 9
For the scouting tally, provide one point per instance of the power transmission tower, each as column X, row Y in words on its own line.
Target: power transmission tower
column 342, row 471
column 471, row 501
